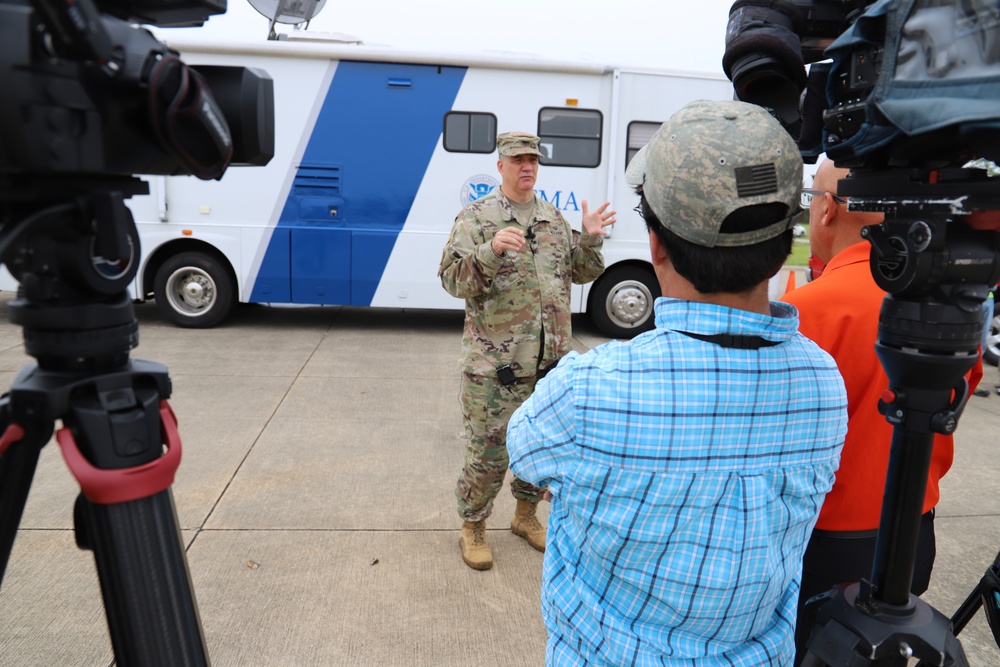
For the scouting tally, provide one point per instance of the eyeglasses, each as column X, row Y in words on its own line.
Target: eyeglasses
column 638, row 209
column 809, row 193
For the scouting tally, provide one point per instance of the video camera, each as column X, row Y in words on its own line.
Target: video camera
column 910, row 83
column 88, row 93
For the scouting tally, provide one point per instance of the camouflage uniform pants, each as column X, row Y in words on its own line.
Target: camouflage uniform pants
column 487, row 406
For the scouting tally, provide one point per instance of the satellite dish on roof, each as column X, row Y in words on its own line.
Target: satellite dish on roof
column 287, row 11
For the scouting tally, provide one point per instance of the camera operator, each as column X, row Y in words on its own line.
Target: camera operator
column 840, row 312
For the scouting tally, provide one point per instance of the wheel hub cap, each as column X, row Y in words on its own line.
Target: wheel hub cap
column 193, row 291
column 630, row 305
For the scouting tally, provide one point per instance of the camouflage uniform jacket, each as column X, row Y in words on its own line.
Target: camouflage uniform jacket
column 511, row 302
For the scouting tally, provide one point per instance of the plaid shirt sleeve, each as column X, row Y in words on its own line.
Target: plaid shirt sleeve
column 541, row 433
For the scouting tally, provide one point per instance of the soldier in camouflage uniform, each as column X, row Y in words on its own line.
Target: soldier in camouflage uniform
column 512, row 257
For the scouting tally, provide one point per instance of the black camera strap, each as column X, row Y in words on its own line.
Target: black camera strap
column 187, row 120
column 734, row 342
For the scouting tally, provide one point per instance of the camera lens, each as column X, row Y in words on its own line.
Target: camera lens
column 764, row 80
column 763, row 59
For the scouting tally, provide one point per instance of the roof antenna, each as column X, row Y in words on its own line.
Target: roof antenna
column 287, row 11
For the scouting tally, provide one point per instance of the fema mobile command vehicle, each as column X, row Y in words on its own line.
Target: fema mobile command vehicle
column 376, row 151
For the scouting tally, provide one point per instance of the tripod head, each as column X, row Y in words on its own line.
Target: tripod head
column 937, row 268
column 74, row 257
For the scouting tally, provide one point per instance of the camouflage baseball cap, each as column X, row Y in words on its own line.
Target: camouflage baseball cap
column 518, row 143
column 712, row 158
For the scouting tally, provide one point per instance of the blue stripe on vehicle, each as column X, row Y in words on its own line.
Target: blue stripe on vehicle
column 371, row 145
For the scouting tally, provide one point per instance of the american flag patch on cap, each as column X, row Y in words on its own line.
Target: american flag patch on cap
column 759, row 179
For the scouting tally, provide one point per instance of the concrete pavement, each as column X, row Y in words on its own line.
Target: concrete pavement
column 315, row 499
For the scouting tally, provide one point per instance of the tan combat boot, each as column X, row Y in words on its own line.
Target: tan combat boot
column 475, row 552
column 525, row 524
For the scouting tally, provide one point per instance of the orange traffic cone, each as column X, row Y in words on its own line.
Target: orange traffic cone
column 791, row 281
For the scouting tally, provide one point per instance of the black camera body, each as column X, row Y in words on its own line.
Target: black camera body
column 90, row 93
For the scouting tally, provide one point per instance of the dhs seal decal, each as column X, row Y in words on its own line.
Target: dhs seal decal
column 477, row 187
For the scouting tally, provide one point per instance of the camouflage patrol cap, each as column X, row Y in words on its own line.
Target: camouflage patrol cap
column 712, row 158
column 510, row 144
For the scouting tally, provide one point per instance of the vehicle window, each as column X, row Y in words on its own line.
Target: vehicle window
column 470, row 132
column 570, row 137
column 638, row 135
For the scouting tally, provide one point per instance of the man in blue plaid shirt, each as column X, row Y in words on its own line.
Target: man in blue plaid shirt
column 687, row 467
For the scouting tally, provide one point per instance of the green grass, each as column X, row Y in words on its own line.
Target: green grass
column 800, row 247
column 800, row 252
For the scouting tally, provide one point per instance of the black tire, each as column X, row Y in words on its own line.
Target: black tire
column 194, row 290
column 621, row 302
column 991, row 355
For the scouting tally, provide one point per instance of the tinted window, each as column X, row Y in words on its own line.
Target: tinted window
column 639, row 134
column 570, row 137
column 470, row 132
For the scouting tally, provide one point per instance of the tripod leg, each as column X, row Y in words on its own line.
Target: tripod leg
column 19, row 451
column 126, row 516
column 148, row 597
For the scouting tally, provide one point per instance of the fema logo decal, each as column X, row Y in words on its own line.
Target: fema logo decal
column 477, row 187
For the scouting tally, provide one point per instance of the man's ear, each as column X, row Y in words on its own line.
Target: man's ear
column 656, row 252
column 829, row 209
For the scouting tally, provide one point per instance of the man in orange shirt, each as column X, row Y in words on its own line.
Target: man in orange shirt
column 839, row 311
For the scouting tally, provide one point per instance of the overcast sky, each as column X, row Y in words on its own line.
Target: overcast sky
column 671, row 34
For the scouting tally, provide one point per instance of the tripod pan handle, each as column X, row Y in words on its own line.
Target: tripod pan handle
column 108, row 487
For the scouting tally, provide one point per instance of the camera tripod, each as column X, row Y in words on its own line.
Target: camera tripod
column 938, row 272
column 74, row 260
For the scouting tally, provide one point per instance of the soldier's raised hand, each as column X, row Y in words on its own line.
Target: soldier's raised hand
column 594, row 223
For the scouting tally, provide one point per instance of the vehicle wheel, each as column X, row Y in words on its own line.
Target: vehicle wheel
column 621, row 303
column 194, row 290
column 991, row 355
